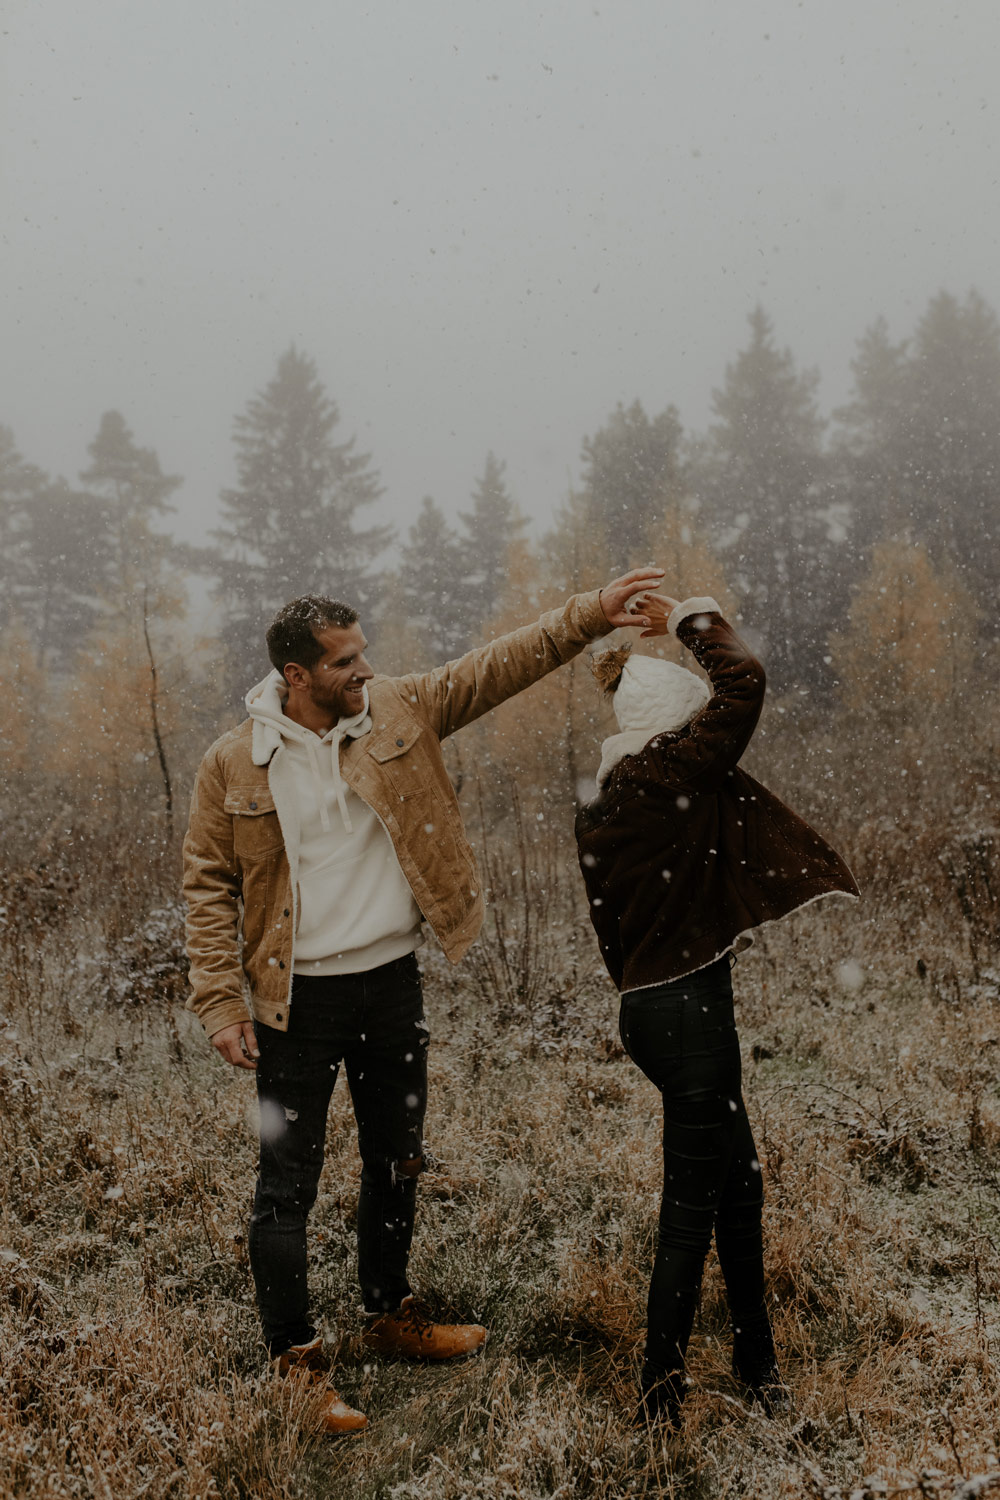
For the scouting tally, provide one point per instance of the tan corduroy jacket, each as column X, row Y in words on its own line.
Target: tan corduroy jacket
column 239, row 859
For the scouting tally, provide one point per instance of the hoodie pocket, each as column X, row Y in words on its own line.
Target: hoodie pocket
column 256, row 830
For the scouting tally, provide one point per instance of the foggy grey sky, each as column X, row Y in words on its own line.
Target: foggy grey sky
column 486, row 220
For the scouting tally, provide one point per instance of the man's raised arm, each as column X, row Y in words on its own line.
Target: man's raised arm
column 460, row 691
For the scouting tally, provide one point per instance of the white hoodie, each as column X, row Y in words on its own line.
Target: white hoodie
column 355, row 907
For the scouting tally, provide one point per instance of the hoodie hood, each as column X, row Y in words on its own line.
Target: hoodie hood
column 653, row 697
column 266, row 706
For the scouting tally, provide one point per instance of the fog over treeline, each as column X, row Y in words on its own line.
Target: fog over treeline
column 792, row 511
column 452, row 311
column 486, row 225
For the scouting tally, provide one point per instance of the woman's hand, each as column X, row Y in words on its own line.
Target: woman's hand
column 656, row 608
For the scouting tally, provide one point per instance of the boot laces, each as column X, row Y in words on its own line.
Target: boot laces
column 313, row 1362
column 420, row 1319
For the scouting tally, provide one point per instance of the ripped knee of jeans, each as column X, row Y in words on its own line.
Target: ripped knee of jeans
column 402, row 1170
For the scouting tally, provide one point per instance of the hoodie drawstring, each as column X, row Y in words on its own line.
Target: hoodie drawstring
column 265, row 704
column 335, row 741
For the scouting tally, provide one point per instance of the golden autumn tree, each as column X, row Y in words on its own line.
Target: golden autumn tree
column 513, row 743
column 121, row 715
column 677, row 545
column 578, row 558
column 399, row 645
column 907, row 644
column 23, row 693
column 576, row 551
column 546, row 740
column 123, row 705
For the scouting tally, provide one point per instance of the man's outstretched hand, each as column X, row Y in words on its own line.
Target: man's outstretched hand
column 616, row 595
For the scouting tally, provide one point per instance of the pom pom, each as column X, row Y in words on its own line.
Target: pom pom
column 608, row 667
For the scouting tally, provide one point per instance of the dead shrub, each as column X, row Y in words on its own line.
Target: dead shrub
column 971, row 862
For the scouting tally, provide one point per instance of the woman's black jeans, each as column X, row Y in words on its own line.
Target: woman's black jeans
column 374, row 1023
column 683, row 1037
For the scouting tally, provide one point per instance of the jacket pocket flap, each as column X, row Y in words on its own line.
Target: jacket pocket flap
column 249, row 801
column 390, row 744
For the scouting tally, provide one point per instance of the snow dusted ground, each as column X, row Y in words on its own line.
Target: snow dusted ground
column 130, row 1362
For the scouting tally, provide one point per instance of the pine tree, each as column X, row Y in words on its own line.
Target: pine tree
column 762, row 478
column 66, row 574
column 920, row 441
column 867, row 454
column 134, row 493
column 629, row 466
column 953, row 450
column 487, row 532
column 432, row 585
column 395, row 648
column 21, row 483
column 288, row 526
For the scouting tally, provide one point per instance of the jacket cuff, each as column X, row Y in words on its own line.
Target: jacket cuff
column 593, row 620
column 705, row 605
column 216, row 1017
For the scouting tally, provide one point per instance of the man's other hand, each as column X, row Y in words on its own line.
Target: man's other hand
column 616, row 595
column 237, row 1044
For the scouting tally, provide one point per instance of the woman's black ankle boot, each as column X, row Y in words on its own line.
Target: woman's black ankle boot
column 755, row 1364
column 660, row 1395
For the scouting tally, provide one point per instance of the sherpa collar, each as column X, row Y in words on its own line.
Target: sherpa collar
column 617, row 747
column 266, row 707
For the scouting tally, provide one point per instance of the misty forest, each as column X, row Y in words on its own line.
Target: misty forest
column 857, row 551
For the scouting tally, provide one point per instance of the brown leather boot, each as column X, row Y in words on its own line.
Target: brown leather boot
column 308, row 1364
column 412, row 1333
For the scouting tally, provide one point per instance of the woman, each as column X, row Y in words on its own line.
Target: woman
column 682, row 854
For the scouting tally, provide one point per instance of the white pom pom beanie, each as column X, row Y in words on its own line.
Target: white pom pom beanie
column 657, row 696
column 654, row 697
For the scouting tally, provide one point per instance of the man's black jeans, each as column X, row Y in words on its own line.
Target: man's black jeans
column 373, row 1023
column 683, row 1037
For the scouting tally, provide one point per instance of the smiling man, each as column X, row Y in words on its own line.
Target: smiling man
column 324, row 831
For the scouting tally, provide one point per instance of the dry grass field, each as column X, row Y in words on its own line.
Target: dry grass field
column 129, row 1359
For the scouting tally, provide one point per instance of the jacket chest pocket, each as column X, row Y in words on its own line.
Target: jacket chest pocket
column 403, row 766
column 256, row 830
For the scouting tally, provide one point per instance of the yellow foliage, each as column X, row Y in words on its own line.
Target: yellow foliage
column 22, row 691
column 106, row 711
column 398, row 646
column 546, row 738
column 691, row 569
column 909, row 634
column 576, row 551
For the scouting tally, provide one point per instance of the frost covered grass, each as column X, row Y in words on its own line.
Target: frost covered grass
column 128, row 1337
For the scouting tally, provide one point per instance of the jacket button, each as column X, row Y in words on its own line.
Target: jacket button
column 253, row 807
column 399, row 742
column 277, row 1015
column 287, row 912
column 281, row 963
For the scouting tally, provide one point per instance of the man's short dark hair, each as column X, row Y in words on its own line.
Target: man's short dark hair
column 291, row 635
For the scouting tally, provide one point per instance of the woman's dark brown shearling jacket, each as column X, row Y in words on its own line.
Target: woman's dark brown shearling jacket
column 682, row 852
